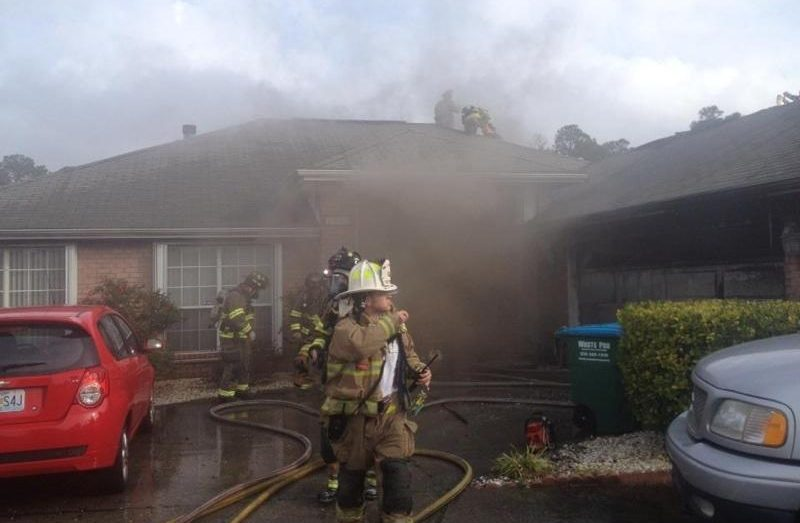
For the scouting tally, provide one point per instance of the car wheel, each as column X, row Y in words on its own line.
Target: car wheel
column 149, row 420
column 115, row 479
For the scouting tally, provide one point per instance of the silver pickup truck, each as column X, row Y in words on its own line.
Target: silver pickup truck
column 735, row 452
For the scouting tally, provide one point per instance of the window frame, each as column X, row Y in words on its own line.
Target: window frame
column 161, row 280
column 70, row 271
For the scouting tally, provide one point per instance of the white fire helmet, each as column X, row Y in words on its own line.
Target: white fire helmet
column 367, row 276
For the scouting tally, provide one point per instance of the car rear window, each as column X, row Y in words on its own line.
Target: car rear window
column 27, row 349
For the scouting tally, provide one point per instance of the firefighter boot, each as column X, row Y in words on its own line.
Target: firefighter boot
column 226, row 395
column 396, row 518
column 350, row 506
column 397, row 502
column 350, row 515
column 302, row 381
column 328, row 495
column 371, row 486
column 243, row 391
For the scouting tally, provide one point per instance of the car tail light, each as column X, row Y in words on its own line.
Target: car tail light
column 93, row 388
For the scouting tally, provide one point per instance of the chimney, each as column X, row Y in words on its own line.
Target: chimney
column 189, row 130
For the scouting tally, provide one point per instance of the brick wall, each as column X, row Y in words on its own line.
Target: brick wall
column 130, row 260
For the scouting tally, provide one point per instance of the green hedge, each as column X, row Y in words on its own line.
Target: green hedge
column 662, row 341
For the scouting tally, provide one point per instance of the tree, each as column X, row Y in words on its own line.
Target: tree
column 710, row 112
column 711, row 116
column 539, row 142
column 571, row 140
column 18, row 168
column 616, row 146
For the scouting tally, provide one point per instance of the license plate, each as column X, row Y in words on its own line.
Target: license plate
column 12, row 400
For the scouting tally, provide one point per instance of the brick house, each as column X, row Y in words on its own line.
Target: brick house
column 706, row 214
column 194, row 216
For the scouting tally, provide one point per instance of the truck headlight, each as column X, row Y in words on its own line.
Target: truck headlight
column 750, row 423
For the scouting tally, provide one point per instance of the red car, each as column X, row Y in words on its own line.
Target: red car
column 75, row 387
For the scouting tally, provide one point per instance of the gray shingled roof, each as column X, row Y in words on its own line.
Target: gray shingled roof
column 759, row 149
column 434, row 149
column 243, row 176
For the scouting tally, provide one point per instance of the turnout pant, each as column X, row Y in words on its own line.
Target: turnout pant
column 386, row 440
column 236, row 355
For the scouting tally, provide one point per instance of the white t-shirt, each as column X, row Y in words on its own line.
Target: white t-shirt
column 387, row 386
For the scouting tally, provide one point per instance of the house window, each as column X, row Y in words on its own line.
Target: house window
column 193, row 276
column 37, row 276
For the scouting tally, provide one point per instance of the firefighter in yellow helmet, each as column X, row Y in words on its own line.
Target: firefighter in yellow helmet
column 474, row 118
column 370, row 360
column 237, row 335
column 311, row 323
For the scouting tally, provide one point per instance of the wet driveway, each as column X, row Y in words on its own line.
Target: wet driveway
column 189, row 458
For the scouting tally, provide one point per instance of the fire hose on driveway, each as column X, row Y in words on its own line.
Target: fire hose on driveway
column 267, row 486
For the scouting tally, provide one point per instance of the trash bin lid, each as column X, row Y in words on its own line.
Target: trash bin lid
column 599, row 330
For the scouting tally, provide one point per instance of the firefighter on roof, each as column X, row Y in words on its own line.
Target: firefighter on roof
column 371, row 356
column 474, row 118
column 444, row 110
column 237, row 335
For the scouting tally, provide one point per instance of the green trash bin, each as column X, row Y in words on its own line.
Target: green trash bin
column 595, row 379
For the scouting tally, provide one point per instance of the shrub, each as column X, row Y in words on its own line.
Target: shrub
column 163, row 362
column 521, row 465
column 150, row 313
column 663, row 341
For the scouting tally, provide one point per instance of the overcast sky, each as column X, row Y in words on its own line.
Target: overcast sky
column 84, row 80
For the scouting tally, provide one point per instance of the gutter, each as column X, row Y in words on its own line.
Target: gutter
column 343, row 175
column 160, row 233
